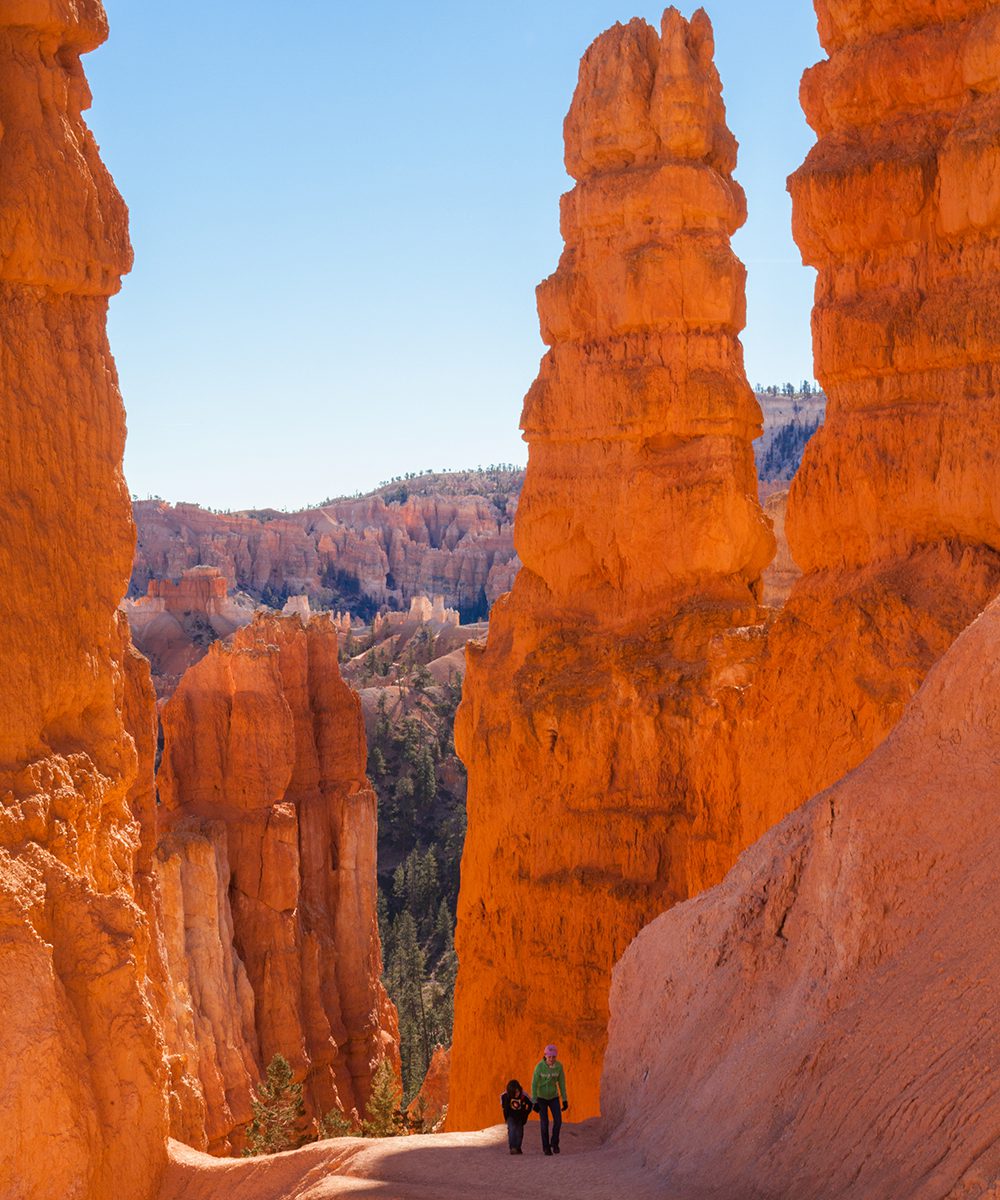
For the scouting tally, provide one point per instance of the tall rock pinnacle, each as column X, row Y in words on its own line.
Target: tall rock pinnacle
column 894, row 515
column 81, row 1071
column 642, row 543
column 267, row 867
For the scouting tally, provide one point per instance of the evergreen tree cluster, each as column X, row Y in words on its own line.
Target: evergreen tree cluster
column 421, row 791
column 784, row 454
column 279, row 1116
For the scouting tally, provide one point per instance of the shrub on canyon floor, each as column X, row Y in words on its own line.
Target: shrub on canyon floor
column 383, row 1117
column 278, row 1112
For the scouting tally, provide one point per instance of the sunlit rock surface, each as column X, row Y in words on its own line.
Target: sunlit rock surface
column 268, row 875
column 642, row 545
column 893, row 515
column 381, row 548
column 82, row 1083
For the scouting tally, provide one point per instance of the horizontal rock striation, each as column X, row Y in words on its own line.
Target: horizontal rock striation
column 893, row 515
column 373, row 548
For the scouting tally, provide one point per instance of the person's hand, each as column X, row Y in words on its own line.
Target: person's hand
column 565, row 1105
column 535, row 1107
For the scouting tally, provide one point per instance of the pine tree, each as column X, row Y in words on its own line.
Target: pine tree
column 336, row 1124
column 405, row 985
column 443, row 936
column 425, row 784
column 383, row 1104
column 376, row 762
column 278, row 1112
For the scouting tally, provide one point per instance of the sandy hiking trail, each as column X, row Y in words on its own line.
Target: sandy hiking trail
column 443, row 1166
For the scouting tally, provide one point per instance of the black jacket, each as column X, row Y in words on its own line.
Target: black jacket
column 518, row 1107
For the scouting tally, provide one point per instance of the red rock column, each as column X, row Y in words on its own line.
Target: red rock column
column 265, row 797
column 642, row 543
column 82, row 1092
column 894, row 514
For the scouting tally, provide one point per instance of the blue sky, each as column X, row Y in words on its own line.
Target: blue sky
column 340, row 213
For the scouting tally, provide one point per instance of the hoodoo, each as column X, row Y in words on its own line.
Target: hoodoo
column 893, row 515
column 642, row 544
column 267, row 867
column 81, row 1069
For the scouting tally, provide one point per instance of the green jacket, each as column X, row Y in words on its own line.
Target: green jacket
column 547, row 1082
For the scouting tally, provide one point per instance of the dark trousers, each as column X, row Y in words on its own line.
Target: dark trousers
column 515, row 1133
column 544, row 1107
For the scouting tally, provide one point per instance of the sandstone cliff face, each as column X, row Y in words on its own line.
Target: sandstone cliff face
column 393, row 551
column 268, row 872
column 81, row 1077
column 893, row 514
column 781, row 573
column 822, row 1023
column 587, row 814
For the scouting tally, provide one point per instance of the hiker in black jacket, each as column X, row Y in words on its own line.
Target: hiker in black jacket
column 516, row 1111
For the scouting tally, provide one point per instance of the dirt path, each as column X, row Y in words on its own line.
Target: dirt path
column 444, row 1166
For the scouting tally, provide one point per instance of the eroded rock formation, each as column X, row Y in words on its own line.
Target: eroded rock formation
column 893, row 514
column 822, row 1023
column 376, row 547
column 587, row 812
column 268, row 873
column 635, row 762
column 81, row 1073
column 175, row 622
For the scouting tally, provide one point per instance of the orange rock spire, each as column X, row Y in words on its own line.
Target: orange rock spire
column 893, row 515
column 81, row 1073
column 642, row 543
column 268, row 876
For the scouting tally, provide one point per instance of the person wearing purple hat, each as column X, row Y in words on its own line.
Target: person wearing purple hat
column 547, row 1083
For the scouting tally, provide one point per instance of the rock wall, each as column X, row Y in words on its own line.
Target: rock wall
column 81, row 1075
column 587, row 811
column 821, row 1025
column 267, row 868
column 893, row 514
column 392, row 551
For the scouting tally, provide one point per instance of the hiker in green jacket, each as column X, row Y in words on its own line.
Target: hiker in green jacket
column 547, row 1083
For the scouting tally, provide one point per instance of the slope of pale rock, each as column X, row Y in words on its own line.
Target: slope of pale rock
column 82, row 1086
column 781, row 573
column 269, row 864
column 822, row 1024
column 614, row 643
column 440, row 1166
